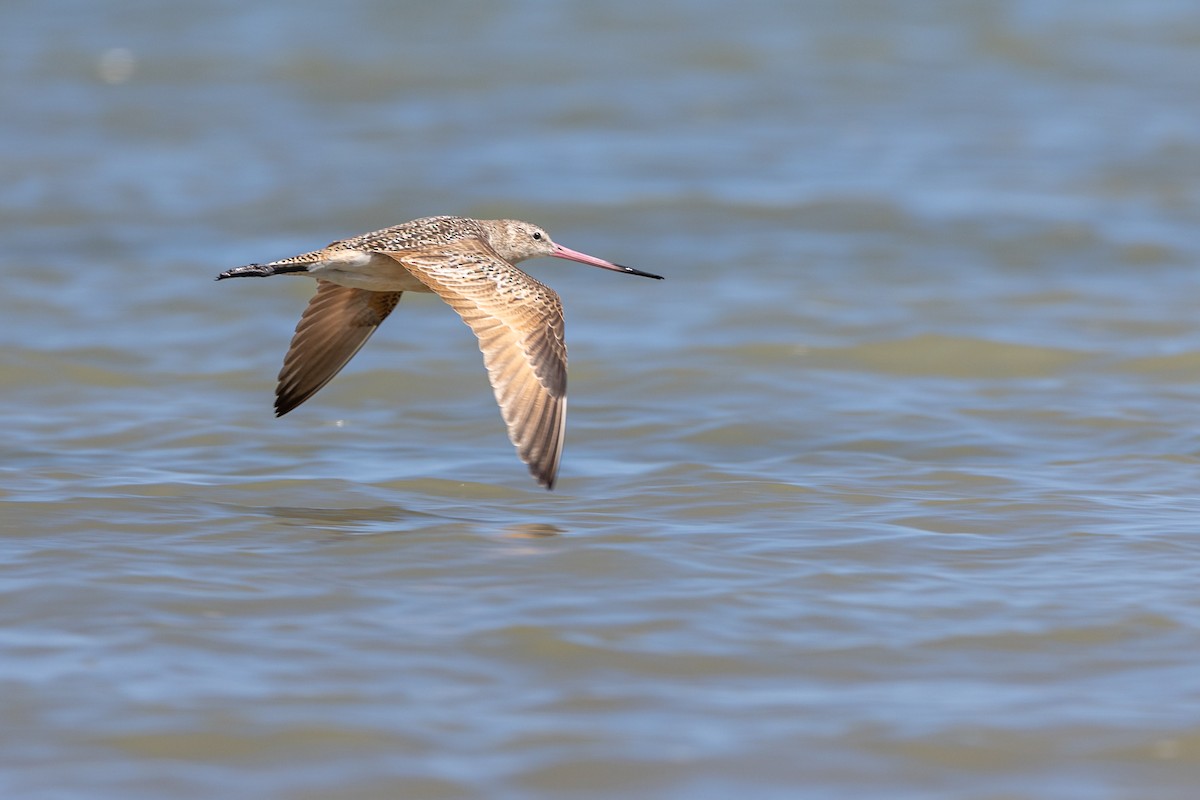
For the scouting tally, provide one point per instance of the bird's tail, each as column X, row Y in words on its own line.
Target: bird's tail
column 261, row 270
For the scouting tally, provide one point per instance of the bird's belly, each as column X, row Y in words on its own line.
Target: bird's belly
column 371, row 271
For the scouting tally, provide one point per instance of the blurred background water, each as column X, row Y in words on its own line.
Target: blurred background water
column 889, row 490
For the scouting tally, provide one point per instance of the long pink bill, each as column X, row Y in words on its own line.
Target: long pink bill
column 584, row 258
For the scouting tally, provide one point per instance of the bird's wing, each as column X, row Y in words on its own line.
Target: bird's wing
column 519, row 324
column 337, row 322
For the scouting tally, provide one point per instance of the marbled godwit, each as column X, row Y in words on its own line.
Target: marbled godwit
column 468, row 263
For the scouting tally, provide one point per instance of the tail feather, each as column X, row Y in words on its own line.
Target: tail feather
column 261, row 270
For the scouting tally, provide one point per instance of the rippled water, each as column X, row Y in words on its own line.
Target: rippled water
column 889, row 490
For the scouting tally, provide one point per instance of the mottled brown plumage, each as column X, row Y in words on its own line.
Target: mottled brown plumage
column 469, row 264
column 336, row 324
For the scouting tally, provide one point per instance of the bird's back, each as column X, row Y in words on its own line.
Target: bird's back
column 422, row 232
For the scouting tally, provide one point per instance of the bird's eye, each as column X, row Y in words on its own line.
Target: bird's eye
column 537, row 235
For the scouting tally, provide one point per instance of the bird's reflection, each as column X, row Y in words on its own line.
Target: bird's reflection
column 532, row 530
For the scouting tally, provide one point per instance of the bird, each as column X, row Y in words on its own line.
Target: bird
column 471, row 265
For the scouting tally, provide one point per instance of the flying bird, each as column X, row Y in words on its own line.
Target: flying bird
column 470, row 264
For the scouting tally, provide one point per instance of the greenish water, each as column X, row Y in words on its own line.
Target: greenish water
column 889, row 490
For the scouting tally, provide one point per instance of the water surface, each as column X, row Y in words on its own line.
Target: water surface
column 889, row 490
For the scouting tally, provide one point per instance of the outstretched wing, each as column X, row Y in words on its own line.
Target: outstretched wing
column 337, row 322
column 519, row 324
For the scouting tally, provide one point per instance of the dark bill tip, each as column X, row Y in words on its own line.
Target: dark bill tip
column 632, row 271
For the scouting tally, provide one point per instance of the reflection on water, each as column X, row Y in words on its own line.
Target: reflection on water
column 349, row 520
column 889, row 492
column 532, row 530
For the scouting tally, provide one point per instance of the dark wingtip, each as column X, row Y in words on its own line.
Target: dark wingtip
column 287, row 400
column 544, row 480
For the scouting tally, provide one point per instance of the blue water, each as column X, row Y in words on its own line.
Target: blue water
column 888, row 490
